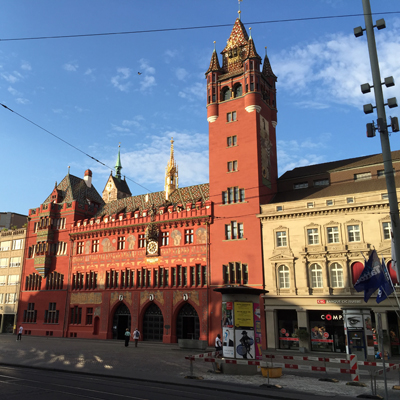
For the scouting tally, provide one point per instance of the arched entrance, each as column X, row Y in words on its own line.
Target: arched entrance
column 187, row 323
column 121, row 321
column 153, row 323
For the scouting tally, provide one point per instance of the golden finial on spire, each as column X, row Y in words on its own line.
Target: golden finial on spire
column 214, row 44
column 265, row 50
column 250, row 32
column 171, row 173
column 239, row 12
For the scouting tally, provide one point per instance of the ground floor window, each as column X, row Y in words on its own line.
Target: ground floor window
column 327, row 331
column 287, row 326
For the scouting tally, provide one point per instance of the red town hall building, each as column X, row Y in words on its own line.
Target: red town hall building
column 96, row 264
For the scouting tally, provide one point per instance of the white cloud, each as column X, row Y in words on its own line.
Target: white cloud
column 181, row 73
column 169, row 55
column 12, row 78
column 13, row 91
column 21, row 100
column 146, row 164
column 331, row 70
column 71, row 66
column 293, row 154
column 120, row 81
column 147, row 80
column 89, row 71
column 58, row 110
column 26, row 66
column 197, row 91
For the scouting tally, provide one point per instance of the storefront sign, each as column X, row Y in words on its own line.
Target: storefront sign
column 344, row 301
column 332, row 317
column 243, row 312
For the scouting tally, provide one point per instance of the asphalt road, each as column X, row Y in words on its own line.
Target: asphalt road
column 32, row 384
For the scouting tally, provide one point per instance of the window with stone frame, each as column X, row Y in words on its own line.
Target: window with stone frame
column 386, row 228
column 332, row 234
column 283, row 277
column 336, row 272
column 353, row 233
column 281, row 238
column 313, row 236
column 316, row 276
column 121, row 243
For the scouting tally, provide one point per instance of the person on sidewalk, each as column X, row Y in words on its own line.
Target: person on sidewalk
column 136, row 336
column 127, row 337
column 20, row 330
column 218, row 344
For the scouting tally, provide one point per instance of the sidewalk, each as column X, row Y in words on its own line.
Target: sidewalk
column 152, row 361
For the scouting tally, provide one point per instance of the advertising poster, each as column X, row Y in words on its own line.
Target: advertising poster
column 243, row 312
column 227, row 314
column 257, row 331
column 244, row 344
column 228, row 345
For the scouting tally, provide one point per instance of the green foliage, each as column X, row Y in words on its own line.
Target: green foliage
column 302, row 334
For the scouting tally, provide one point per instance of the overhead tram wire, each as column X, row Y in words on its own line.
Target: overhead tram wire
column 148, row 190
column 195, row 27
column 70, row 144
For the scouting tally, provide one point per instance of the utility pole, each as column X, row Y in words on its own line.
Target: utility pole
column 382, row 126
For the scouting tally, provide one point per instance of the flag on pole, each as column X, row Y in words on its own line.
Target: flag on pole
column 394, row 264
column 372, row 277
column 387, row 288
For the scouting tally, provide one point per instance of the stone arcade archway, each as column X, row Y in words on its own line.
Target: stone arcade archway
column 187, row 323
column 153, row 323
column 121, row 321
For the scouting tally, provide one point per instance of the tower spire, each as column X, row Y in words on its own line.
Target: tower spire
column 171, row 173
column 118, row 165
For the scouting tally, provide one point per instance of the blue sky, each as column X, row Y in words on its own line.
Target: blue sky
column 87, row 90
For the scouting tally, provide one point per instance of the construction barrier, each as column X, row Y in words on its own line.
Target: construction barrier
column 353, row 370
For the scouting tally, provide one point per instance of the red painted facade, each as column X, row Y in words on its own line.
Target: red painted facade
column 242, row 117
column 152, row 261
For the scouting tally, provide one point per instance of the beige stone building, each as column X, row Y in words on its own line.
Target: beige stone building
column 324, row 219
column 12, row 245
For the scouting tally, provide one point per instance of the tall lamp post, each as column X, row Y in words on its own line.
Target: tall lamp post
column 382, row 128
column 381, row 125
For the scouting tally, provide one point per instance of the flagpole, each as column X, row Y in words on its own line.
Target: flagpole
column 380, row 335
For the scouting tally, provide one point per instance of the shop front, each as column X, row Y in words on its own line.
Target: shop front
column 327, row 331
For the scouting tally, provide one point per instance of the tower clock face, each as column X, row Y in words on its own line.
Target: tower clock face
column 152, row 247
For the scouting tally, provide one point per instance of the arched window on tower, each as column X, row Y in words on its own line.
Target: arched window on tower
column 237, row 90
column 225, row 93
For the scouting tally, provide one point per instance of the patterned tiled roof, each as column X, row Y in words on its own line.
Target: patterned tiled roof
column 267, row 69
column 214, row 63
column 252, row 52
column 189, row 194
column 238, row 37
column 121, row 185
column 73, row 188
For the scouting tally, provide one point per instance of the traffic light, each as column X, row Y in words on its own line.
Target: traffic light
column 370, row 130
column 394, row 122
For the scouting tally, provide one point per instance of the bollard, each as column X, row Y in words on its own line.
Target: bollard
column 354, row 366
column 191, row 367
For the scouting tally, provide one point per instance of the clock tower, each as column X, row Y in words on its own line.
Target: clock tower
column 242, row 116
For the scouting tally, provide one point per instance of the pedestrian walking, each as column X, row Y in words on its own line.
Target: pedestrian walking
column 127, row 337
column 218, row 343
column 20, row 330
column 136, row 336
